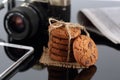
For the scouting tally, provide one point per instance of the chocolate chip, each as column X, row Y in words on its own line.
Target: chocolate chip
column 89, row 45
column 86, row 62
column 91, row 58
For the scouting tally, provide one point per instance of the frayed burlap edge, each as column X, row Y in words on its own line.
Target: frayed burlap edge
column 46, row 60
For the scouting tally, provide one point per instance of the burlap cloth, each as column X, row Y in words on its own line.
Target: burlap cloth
column 46, row 60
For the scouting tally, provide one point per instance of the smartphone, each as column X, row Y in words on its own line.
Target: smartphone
column 7, row 64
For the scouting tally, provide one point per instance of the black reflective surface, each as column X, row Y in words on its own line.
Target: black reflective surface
column 106, row 68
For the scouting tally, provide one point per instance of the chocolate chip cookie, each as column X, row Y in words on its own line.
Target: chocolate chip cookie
column 60, row 40
column 57, row 57
column 58, row 46
column 59, row 52
column 61, row 58
column 85, row 51
column 62, row 32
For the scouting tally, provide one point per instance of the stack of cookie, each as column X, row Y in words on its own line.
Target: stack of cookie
column 60, row 44
column 67, row 44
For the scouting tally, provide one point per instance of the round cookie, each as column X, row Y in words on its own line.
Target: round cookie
column 59, row 52
column 58, row 46
column 61, row 32
column 57, row 58
column 85, row 51
column 60, row 40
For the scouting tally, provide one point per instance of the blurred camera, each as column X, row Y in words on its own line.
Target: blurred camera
column 28, row 23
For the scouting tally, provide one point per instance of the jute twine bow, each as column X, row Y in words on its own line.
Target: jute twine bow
column 67, row 26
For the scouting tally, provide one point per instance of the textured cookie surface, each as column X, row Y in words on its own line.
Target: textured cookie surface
column 59, row 46
column 85, row 51
column 62, row 32
column 59, row 52
column 60, row 40
column 58, row 58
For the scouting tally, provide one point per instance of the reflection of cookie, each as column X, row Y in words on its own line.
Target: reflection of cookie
column 85, row 51
column 59, row 73
column 60, row 40
column 61, row 32
column 87, row 73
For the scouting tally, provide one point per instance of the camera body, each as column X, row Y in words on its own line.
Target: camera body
column 30, row 20
column 27, row 24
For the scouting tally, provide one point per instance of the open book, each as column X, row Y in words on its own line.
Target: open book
column 103, row 21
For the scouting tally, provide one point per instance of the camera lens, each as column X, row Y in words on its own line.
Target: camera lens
column 16, row 24
column 26, row 22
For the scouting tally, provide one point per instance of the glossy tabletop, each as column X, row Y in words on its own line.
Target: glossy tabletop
column 106, row 68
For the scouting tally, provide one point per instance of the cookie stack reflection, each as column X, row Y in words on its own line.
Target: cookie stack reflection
column 60, row 73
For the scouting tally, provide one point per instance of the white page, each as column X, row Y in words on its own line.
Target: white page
column 107, row 21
